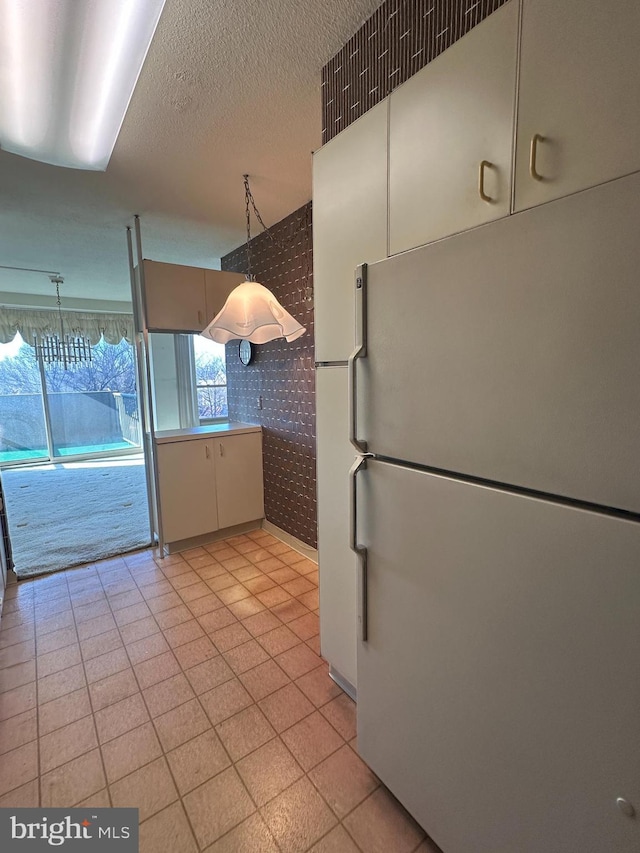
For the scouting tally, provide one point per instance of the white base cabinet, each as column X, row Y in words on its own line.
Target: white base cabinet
column 209, row 483
column 239, row 484
column 188, row 499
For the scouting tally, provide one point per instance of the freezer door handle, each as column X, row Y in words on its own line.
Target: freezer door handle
column 360, row 551
column 360, row 351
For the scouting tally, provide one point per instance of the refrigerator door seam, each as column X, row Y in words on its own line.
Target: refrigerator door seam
column 550, row 497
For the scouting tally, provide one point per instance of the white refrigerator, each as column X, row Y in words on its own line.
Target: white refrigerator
column 497, row 524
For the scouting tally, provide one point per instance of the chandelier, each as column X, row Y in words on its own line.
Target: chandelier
column 61, row 348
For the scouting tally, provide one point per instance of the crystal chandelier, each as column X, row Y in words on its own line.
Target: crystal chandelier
column 60, row 348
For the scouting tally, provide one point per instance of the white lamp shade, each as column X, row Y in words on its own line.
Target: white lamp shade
column 252, row 313
column 68, row 69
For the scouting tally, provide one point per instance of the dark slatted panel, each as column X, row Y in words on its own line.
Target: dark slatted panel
column 400, row 38
column 282, row 375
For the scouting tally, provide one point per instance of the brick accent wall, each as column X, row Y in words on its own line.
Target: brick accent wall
column 281, row 377
column 399, row 39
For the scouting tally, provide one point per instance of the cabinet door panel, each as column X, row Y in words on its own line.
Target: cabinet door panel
column 239, row 483
column 175, row 297
column 578, row 89
column 349, row 225
column 443, row 123
column 187, row 489
column 218, row 285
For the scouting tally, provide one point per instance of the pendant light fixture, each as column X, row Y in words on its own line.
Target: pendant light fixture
column 252, row 312
column 61, row 348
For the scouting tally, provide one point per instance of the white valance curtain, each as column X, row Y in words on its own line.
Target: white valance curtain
column 113, row 327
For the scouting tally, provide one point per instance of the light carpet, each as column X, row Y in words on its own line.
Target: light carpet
column 68, row 513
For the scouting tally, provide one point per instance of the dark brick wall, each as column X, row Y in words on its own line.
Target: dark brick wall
column 399, row 39
column 282, row 376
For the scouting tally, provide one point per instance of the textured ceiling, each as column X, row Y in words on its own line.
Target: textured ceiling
column 229, row 86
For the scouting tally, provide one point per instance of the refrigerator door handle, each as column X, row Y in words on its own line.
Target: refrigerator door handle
column 360, row 551
column 360, row 351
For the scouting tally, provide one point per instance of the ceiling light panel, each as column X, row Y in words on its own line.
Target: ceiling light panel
column 68, row 69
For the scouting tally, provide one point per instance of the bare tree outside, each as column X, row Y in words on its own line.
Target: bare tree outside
column 211, row 378
column 92, row 405
column 112, row 368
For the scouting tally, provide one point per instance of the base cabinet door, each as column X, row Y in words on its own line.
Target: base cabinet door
column 188, row 501
column 451, row 137
column 239, row 479
column 578, row 97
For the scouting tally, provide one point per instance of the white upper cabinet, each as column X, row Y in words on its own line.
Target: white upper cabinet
column 184, row 299
column 451, row 137
column 174, row 297
column 579, row 97
column 349, row 225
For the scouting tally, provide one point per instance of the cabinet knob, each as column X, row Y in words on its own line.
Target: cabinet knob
column 221, row 449
column 207, row 451
column 533, row 156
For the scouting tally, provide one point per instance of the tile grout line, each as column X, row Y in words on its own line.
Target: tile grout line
column 35, row 658
column 93, row 717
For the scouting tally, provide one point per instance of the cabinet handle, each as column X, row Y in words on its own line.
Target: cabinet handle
column 221, row 449
column 207, row 451
column 484, row 164
column 533, row 156
column 200, row 317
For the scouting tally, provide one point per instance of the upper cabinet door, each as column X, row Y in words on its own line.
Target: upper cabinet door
column 579, row 101
column 218, row 285
column 451, row 137
column 349, row 225
column 175, row 297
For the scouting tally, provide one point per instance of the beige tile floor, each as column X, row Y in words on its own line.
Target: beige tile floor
column 191, row 688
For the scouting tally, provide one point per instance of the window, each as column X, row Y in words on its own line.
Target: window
column 211, row 378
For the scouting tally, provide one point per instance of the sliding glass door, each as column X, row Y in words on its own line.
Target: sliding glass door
column 23, row 430
column 87, row 409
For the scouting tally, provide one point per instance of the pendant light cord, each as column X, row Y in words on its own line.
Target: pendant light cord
column 248, row 199
column 303, row 225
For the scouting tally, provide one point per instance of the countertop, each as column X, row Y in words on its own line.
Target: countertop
column 218, row 430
